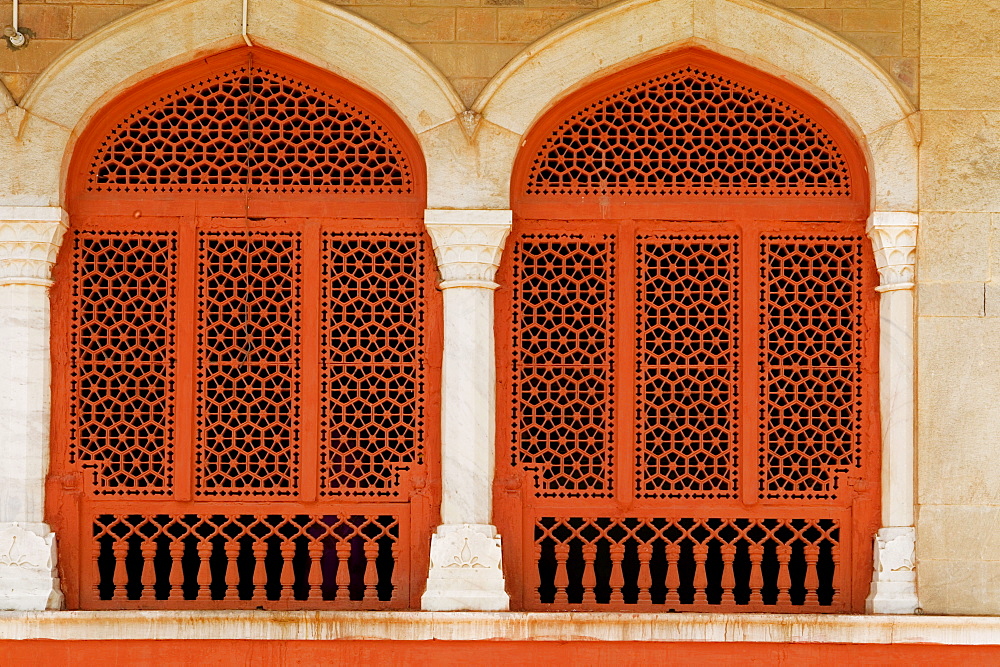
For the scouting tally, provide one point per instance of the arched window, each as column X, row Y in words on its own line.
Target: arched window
column 245, row 335
column 687, row 329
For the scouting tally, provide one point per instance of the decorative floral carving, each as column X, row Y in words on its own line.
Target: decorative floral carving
column 465, row 557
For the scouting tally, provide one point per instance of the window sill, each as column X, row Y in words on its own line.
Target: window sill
column 510, row 626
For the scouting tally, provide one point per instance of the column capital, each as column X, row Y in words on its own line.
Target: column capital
column 468, row 244
column 894, row 239
column 30, row 237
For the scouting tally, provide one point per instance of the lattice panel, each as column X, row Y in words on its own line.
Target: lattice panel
column 563, row 370
column 246, row 561
column 249, row 292
column 688, row 564
column 251, row 128
column 373, row 348
column 689, row 132
column 811, row 356
column 687, row 366
column 121, row 362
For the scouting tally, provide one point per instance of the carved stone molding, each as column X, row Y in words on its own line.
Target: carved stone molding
column 894, row 582
column 894, row 239
column 28, row 578
column 466, row 570
column 29, row 242
column 468, row 244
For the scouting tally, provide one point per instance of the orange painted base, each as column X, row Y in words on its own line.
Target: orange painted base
column 246, row 653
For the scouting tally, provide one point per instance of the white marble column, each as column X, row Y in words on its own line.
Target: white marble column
column 894, row 581
column 29, row 241
column 465, row 571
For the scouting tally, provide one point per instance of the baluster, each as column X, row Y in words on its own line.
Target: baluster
column 177, row 568
column 562, row 574
column 232, row 549
column 287, row 570
column 700, row 574
column 204, row 570
column 673, row 552
column 756, row 574
column 589, row 574
column 259, row 570
column 343, row 578
column 728, row 574
column 315, row 570
column 395, row 569
column 617, row 576
column 835, row 554
column 812, row 574
column 148, row 570
column 784, row 574
column 645, row 580
column 121, row 574
column 371, row 571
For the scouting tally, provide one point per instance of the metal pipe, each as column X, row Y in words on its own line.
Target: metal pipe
column 18, row 39
column 246, row 37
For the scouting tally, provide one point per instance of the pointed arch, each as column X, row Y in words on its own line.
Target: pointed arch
column 95, row 70
column 752, row 32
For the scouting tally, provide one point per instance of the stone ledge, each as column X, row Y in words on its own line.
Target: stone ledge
column 511, row 626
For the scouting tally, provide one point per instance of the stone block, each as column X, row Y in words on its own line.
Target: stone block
column 959, row 27
column 959, row 161
column 873, row 20
column 413, row 24
column 877, row 43
column 830, row 18
column 959, row 532
column 466, row 570
column 35, row 58
column 526, row 25
column 947, row 82
column 959, row 586
column 476, row 24
column 958, row 411
column 87, row 19
column 954, row 299
column 469, row 60
column 46, row 21
column 954, row 246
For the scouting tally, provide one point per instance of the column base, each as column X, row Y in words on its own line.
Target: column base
column 466, row 570
column 28, row 577
column 894, row 582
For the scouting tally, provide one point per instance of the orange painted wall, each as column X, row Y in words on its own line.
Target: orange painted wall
column 250, row 653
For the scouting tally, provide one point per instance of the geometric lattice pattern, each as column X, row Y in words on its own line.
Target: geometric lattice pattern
column 122, row 366
column 563, row 364
column 372, row 350
column 249, row 330
column 689, row 132
column 687, row 358
column 811, row 362
column 688, row 564
column 248, row 561
column 251, row 129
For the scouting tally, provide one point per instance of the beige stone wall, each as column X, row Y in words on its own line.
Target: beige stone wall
column 469, row 40
column 959, row 309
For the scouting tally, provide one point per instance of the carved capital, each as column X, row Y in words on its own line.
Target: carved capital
column 468, row 244
column 29, row 241
column 894, row 239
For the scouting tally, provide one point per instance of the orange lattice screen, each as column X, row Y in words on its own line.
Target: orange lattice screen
column 245, row 404
column 687, row 333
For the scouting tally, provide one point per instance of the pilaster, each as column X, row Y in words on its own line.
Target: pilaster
column 29, row 241
column 465, row 570
column 894, row 239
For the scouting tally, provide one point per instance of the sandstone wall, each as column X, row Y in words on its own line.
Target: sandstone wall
column 469, row 40
column 959, row 308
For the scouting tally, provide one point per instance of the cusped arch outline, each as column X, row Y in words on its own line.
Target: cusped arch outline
column 91, row 73
column 755, row 33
